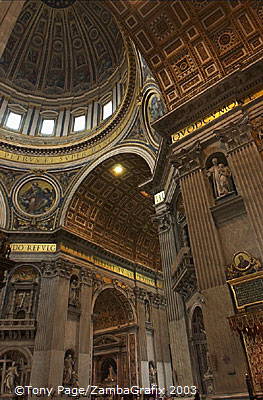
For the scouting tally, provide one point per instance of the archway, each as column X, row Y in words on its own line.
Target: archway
column 110, row 210
column 114, row 330
column 15, row 369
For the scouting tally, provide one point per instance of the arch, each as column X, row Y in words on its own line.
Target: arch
column 3, row 208
column 112, row 212
column 25, row 351
column 111, row 308
column 141, row 151
column 15, row 367
column 26, row 272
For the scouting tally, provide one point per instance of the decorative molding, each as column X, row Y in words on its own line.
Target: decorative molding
column 236, row 134
column 187, row 159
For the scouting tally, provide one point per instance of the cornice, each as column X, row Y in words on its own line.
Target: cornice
column 238, row 85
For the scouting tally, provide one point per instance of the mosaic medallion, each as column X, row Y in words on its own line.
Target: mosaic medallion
column 36, row 197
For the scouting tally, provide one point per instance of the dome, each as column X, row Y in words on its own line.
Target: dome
column 61, row 48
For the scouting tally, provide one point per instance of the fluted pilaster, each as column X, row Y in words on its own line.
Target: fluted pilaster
column 182, row 371
column 205, row 244
column 48, row 359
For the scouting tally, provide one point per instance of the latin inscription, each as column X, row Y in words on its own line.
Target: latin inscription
column 249, row 292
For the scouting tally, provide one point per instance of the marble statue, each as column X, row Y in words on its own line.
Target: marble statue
column 74, row 293
column 10, row 377
column 152, row 373
column 220, row 175
column 111, row 375
column 68, row 370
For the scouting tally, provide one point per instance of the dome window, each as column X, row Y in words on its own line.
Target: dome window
column 48, row 126
column 107, row 110
column 13, row 121
column 79, row 123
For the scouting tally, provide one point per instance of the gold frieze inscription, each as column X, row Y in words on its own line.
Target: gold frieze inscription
column 33, row 247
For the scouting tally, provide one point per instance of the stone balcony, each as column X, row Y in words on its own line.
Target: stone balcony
column 184, row 279
column 17, row 329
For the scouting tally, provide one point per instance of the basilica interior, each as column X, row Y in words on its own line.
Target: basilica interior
column 131, row 187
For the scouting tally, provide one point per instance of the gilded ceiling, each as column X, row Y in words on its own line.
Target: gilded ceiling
column 111, row 309
column 61, row 51
column 189, row 45
column 110, row 211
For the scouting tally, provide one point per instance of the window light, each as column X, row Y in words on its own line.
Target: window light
column 47, row 127
column 13, row 121
column 107, row 110
column 79, row 123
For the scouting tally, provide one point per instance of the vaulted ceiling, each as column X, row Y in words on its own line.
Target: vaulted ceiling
column 61, row 51
column 112, row 212
column 191, row 44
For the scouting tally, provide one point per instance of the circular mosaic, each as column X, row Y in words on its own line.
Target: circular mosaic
column 36, row 197
column 59, row 3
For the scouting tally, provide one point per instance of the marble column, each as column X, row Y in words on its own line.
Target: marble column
column 182, row 370
column 85, row 330
column 48, row 358
column 9, row 12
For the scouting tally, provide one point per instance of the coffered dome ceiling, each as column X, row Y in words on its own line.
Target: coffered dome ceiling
column 61, row 51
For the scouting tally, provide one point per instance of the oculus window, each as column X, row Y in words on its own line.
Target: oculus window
column 47, row 127
column 107, row 110
column 79, row 123
column 13, row 121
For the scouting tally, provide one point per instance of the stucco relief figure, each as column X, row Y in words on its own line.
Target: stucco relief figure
column 10, row 378
column 220, row 176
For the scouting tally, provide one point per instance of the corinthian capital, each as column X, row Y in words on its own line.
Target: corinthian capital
column 56, row 268
column 236, row 133
column 164, row 221
column 187, row 159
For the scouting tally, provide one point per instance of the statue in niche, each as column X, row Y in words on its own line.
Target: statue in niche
column 68, row 370
column 10, row 378
column 111, row 375
column 74, row 292
column 109, row 371
column 220, row 176
column 152, row 373
column 147, row 311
